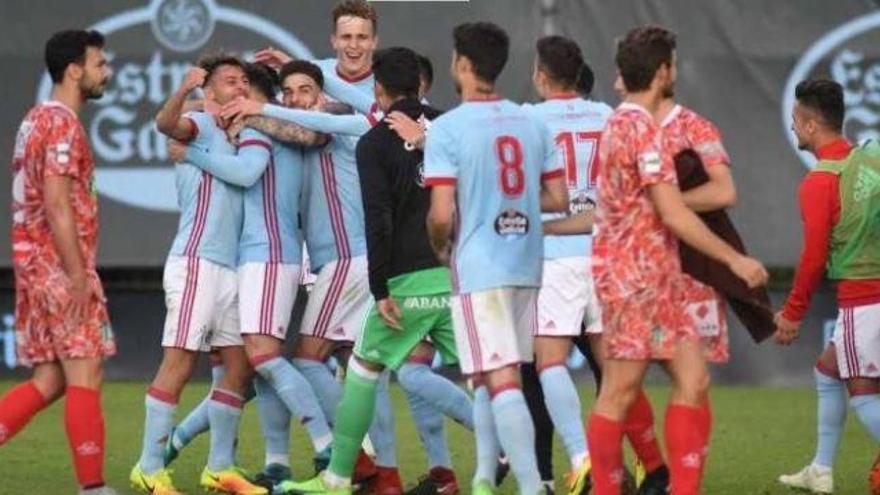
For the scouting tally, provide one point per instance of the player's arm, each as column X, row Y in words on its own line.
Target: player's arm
column 685, row 224
column 286, row 132
column 441, row 219
column 243, row 169
column 347, row 92
column 554, row 192
column 579, row 224
column 351, row 124
column 57, row 191
column 170, row 120
column 441, row 175
column 376, row 197
column 716, row 194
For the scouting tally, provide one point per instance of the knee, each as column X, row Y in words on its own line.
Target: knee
column 693, row 388
column 408, row 376
column 50, row 385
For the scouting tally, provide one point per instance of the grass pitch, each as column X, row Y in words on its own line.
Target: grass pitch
column 758, row 434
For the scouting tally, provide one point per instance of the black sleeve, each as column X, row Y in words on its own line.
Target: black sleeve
column 376, row 197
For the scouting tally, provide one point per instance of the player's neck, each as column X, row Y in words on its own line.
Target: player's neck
column 477, row 92
column 664, row 108
column 70, row 97
column 824, row 140
column 649, row 100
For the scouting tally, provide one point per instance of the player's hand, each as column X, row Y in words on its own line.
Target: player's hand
column 176, row 150
column 80, row 294
column 272, row 57
column 390, row 312
column 750, row 270
column 234, row 128
column 444, row 255
column 409, row 130
column 240, row 108
column 195, row 78
column 786, row 330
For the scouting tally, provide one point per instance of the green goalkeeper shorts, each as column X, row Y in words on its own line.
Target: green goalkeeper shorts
column 424, row 301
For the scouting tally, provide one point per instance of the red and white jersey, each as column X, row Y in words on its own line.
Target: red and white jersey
column 51, row 141
column 684, row 129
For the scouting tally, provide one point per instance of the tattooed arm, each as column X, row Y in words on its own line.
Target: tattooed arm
column 286, row 132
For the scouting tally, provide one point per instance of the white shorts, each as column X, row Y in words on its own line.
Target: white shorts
column 495, row 328
column 568, row 298
column 339, row 301
column 266, row 295
column 202, row 302
column 857, row 341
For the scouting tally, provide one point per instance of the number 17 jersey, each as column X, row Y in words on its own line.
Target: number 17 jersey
column 496, row 154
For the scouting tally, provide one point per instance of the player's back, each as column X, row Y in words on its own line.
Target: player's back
column 211, row 210
column 497, row 151
column 271, row 233
column 576, row 126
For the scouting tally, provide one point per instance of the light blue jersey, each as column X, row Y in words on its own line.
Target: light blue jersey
column 272, row 173
column 329, row 68
column 211, row 210
column 497, row 154
column 576, row 125
column 358, row 93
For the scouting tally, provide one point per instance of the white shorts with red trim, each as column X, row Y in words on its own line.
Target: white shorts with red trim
column 202, row 301
column 857, row 341
column 495, row 328
column 339, row 301
column 567, row 298
column 266, row 295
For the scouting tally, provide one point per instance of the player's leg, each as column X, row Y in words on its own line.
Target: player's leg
column 560, row 394
column 84, row 419
column 196, row 422
column 688, row 426
column 531, row 387
column 830, row 419
column 22, row 402
column 587, row 344
column 418, row 379
column 275, row 427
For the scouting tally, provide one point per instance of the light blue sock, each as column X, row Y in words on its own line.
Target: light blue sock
column 867, row 408
column 224, row 413
column 831, row 416
column 488, row 448
column 382, row 432
column 299, row 397
column 564, row 406
column 432, row 431
column 516, row 432
column 274, row 423
column 196, row 422
column 323, row 383
column 157, row 426
column 452, row 400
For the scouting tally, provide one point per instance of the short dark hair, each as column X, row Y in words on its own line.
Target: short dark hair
column 485, row 45
column 586, row 81
column 825, row 97
column 641, row 53
column 69, row 47
column 210, row 63
column 561, row 59
column 397, row 70
column 303, row 67
column 356, row 8
column 262, row 77
column 426, row 68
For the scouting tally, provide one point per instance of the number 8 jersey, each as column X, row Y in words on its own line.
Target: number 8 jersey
column 576, row 126
column 496, row 154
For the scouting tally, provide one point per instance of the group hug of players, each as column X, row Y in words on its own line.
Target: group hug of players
column 495, row 234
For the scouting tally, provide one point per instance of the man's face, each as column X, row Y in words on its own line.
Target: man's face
column 619, row 87
column 354, row 41
column 227, row 83
column 803, row 124
column 455, row 70
column 671, row 75
column 95, row 74
column 300, row 91
column 424, row 87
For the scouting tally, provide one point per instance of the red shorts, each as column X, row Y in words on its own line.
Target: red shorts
column 646, row 325
column 45, row 328
column 709, row 312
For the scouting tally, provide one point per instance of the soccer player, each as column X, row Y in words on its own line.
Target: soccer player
column 402, row 267
column 638, row 276
column 567, row 299
column 269, row 258
column 201, row 290
column 840, row 208
column 492, row 167
column 61, row 321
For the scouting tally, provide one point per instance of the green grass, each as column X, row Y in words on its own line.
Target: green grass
column 758, row 434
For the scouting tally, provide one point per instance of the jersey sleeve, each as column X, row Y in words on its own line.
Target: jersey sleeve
column 655, row 164
column 352, row 125
column 706, row 141
column 200, row 125
column 63, row 148
column 376, row 197
column 242, row 169
column 347, row 92
column 551, row 167
column 441, row 164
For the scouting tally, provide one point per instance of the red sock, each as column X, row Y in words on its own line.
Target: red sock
column 17, row 407
column 605, row 438
column 639, row 428
column 84, row 421
column 705, row 431
column 685, row 440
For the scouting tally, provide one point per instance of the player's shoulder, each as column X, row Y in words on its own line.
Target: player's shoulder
column 252, row 136
column 52, row 113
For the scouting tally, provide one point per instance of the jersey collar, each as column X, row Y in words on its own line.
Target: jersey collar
column 835, row 150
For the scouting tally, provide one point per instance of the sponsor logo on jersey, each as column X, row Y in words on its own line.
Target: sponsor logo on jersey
column 130, row 154
column 427, row 302
column 850, row 54
column 511, row 223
